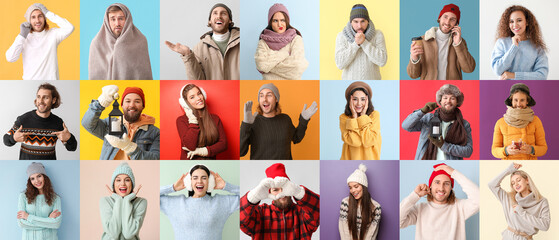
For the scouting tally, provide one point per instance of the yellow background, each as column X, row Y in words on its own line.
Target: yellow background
column 90, row 89
column 334, row 15
column 293, row 95
column 492, row 218
column 12, row 15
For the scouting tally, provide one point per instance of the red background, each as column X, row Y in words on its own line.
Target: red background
column 222, row 100
column 415, row 93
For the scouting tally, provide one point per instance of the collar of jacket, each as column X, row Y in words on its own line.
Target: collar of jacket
column 431, row 33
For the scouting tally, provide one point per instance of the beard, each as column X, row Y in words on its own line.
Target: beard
column 448, row 111
column 283, row 205
column 48, row 107
column 132, row 117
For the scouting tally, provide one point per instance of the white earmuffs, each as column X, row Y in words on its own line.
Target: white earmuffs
column 188, row 183
column 181, row 99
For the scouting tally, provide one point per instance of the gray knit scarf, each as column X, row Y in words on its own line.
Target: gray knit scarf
column 349, row 33
column 518, row 117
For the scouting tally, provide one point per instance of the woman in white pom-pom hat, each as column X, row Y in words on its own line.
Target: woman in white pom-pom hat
column 199, row 215
column 359, row 213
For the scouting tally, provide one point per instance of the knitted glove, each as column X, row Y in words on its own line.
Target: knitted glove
column 308, row 112
column 249, row 117
column 437, row 142
column 203, row 152
column 430, row 106
column 122, row 143
column 292, row 189
column 188, row 112
column 42, row 7
column 108, row 95
column 24, row 29
column 261, row 191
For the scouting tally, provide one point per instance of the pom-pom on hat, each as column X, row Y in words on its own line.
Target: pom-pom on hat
column 453, row 9
column 437, row 173
column 123, row 168
column 135, row 90
column 188, row 181
column 359, row 176
column 36, row 167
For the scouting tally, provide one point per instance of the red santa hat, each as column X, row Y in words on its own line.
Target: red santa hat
column 276, row 170
column 437, row 173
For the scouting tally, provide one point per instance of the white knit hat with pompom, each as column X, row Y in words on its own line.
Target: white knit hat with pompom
column 359, row 176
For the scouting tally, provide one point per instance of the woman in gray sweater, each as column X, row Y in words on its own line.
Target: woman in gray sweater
column 526, row 210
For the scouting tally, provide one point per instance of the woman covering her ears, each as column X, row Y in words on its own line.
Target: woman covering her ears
column 359, row 213
column 201, row 132
column 526, row 210
column 39, row 207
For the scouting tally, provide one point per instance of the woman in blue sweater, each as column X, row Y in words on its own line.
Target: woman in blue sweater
column 519, row 52
column 39, row 207
column 199, row 215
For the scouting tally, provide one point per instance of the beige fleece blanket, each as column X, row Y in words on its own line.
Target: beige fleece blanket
column 122, row 58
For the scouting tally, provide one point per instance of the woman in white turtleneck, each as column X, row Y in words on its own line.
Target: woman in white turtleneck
column 526, row 210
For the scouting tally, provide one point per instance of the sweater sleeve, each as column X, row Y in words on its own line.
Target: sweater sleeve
column 66, row 28
column 465, row 60
column 111, row 217
column 71, row 144
column 221, row 144
column 470, row 206
column 501, row 57
column 540, row 148
column 232, row 200
column 376, row 50
column 372, row 230
column 498, row 148
column 541, row 221
column 540, row 69
column 414, row 122
column 345, row 51
column 459, row 150
column 36, row 222
column 91, row 121
column 408, row 210
column 362, row 131
column 251, row 219
column 165, row 199
column 310, row 206
column 293, row 66
column 266, row 59
column 12, row 54
column 300, row 130
column 343, row 226
column 9, row 136
column 246, row 130
column 194, row 68
column 188, row 133
column 495, row 184
column 133, row 213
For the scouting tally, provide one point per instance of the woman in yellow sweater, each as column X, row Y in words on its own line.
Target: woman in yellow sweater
column 519, row 134
column 360, row 124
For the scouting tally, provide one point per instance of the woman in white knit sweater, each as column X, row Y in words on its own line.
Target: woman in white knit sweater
column 280, row 54
column 526, row 210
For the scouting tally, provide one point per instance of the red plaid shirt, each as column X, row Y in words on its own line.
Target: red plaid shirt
column 298, row 221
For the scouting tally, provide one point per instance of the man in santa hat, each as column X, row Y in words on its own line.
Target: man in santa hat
column 443, row 216
column 284, row 219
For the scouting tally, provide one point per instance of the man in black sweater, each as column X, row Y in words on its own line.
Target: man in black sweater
column 270, row 132
column 38, row 130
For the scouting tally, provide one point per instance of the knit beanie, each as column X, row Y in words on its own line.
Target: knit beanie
column 278, row 7
column 359, row 11
column 36, row 167
column 33, row 7
column 272, row 87
column 182, row 102
column 452, row 90
column 135, row 90
column 359, row 176
column 523, row 88
column 188, row 181
column 453, row 9
column 223, row 6
column 123, row 168
column 356, row 85
column 276, row 170
column 437, row 173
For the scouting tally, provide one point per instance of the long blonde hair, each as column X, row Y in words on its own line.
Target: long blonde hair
column 531, row 186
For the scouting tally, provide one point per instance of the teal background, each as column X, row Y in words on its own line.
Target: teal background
column 145, row 15
column 171, row 171
column 416, row 17
column 385, row 98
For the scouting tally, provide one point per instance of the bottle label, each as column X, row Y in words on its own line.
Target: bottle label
column 436, row 130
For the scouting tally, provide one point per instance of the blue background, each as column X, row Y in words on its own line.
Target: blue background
column 303, row 15
column 385, row 98
column 413, row 173
column 65, row 178
column 145, row 15
column 416, row 17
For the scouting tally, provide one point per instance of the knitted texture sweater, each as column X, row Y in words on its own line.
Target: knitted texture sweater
column 525, row 60
column 529, row 216
column 198, row 218
column 361, row 137
column 38, row 225
column 122, row 217
column 343, row 226
column 189, row 134
column 41, row 144
column 39, row 50
column 270, row 138
column 441, row 221
column 361, row 62
column 288, row 63
column 533, row 134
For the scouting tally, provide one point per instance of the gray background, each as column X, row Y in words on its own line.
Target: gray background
column 18, row 98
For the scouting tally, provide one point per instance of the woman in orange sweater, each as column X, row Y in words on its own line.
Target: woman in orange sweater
column 519, row 134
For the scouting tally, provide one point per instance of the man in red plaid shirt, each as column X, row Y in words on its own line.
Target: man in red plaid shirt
column 284, row 219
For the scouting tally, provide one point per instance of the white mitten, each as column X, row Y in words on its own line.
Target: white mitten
column 202, row 152
column 261, row 191
column 292, row 189
column 122, row 143
column 188, row 112
column 108, row 95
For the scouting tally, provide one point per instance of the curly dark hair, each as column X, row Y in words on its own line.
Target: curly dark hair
column 533, row 31
column 31, row 191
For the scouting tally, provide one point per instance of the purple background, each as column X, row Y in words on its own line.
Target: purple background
column 492, row 107
column 383, row 179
